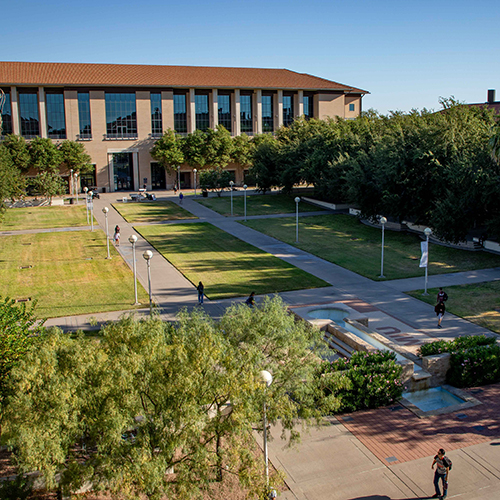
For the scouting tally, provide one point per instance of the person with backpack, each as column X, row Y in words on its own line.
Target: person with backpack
column 442, row 296
column 443, row 467
column 200, row 289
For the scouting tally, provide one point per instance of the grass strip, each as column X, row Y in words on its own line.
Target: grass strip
column 227, row 266
column 344, row 240
column 268, row 204
column 70, row 274
column 17, row 219
column 152, row 211
column 476, row 302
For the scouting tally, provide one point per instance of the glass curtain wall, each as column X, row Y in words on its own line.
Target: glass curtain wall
column 246, row 124
column 56, row 121
column 156, row 125
column 308, row 107
column 201, row 110
column 180, row 114
column 267, row 113
column 121, row 116
column 224, row 105
column 6, row 116
column 122, row 171
column 28, row 114
column 84, row 115
column 287, row 110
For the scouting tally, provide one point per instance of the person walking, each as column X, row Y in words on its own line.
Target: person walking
column 443, row 466
column 440, row 309
column 251, row 300
column 116, row 236
column 200, row 289
column 181, row 197
column 442, row 296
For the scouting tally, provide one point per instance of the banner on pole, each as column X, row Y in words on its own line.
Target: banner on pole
column 425, row 254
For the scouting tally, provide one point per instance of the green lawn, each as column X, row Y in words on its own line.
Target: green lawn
column 345, row 241
column 227, row 266
column 479, row 303
column 69, row 274
column 257, row 204
column 152, row 211
column 43, row 217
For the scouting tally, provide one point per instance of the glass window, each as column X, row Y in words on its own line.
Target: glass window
column 308, row 107
column 156, row 125
column 267, row 113
column 246, row 124
column 180, row 116
column 287, row 110
column 84, row 115
column 224, row 105
column 201, row 110
column 28, row 114
column 6, row 116
column 121, row 116
column 56, row 121
column 351, row 107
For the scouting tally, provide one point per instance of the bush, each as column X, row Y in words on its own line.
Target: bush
column 479, row 365
column 374, row 380
column 17, row 489
column 460, row 343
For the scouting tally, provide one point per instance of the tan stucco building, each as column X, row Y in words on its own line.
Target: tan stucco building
column 119, row 110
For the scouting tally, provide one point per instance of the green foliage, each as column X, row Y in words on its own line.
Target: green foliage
column 243, row 149
column 48, row 184
column 11, row 181
column 17, row 489
column 266, row 167
column 168, row 150
column 218, row 148
column 374, row 380
column 74, row 157
column 17, row 149
column 215, row 180
column 460, row 343
column 478, row 365
column 44, row 155
column 147, row 396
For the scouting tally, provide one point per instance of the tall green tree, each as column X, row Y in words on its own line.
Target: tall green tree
column 75, row 157
column 12, row 183
column 218, row 148
column 150, row 399
column 17, row 148
column 167, row 150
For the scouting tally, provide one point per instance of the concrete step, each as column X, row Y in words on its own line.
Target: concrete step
column 334, row 343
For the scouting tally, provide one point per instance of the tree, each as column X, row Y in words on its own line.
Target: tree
column 148, row 397
column 243, row 149
column 168, row 150
column 11, row 182
column 49, row 184
column 193, row 148
column 266, row 164
column 74, row 157
column 44, row 155
column 17, row 148
column 218, row 147
column 215, row 179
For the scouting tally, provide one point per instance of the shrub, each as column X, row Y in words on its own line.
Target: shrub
column 374, row 380
column 460, row 343
column 478, row 365
column 16, row 489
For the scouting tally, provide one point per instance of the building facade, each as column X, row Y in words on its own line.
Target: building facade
column 118, row 111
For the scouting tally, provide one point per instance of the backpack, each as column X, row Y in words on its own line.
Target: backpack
column 447, row 462
column 445, row 298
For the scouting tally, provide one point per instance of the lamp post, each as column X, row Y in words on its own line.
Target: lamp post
column 133, row 239
column 194, row 172
column 267, row 378
column 245, row 196
column 382, row 221
column 105, row 211
column 71, row 181
column 148, row 255
column 297, row 199
column 179, row 177
column 86, row 190
column 76, row 186
column 427, row 232
column 231, row 184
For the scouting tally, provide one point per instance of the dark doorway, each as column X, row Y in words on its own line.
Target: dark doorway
column 158, row 177
column 185, row 180
column 123, row 171
column 88, row 179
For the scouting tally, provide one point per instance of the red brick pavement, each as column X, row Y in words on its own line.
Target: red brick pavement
column 401, row 434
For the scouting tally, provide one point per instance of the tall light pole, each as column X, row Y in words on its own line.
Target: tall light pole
column 267, row 378
column 133, row 239
column 76, row 186
column 245, row 196
column 105, row 211
column 71, row 182
column 297, row 199
column 179, row 177
column 194, row 172
column 382, row 221
column 427, row 232
column 231, row 184
column 86, row 190
column 148, row 255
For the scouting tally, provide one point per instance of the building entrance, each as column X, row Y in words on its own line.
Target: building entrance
column 158, row 175
column 123, row 172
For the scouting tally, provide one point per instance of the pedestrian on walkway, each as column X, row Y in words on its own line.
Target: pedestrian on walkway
column 175, row 188
column 251, row 300
column 200, row 289
column 443, row 466
column 181, row 196
column 440, row 309
column 442, row 296
column 116, row 236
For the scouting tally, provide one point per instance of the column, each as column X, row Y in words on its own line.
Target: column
column 14, row 107
column 167, row 110
column 143, row 106
column 214, row 108
column 236, row 112
column 135, row 171
column 42, row 112
column 71, row 114
column 191, row 112
column 258, row 112
column 111, row 173
column 298, row 103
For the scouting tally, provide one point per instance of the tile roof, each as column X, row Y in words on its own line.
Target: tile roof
column 134, row 75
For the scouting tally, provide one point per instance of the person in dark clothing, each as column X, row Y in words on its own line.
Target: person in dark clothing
column 181, row 197
column 251, row 300
column 440, row 309
column 442, row 464
column 200, row 289
column 442, row 296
